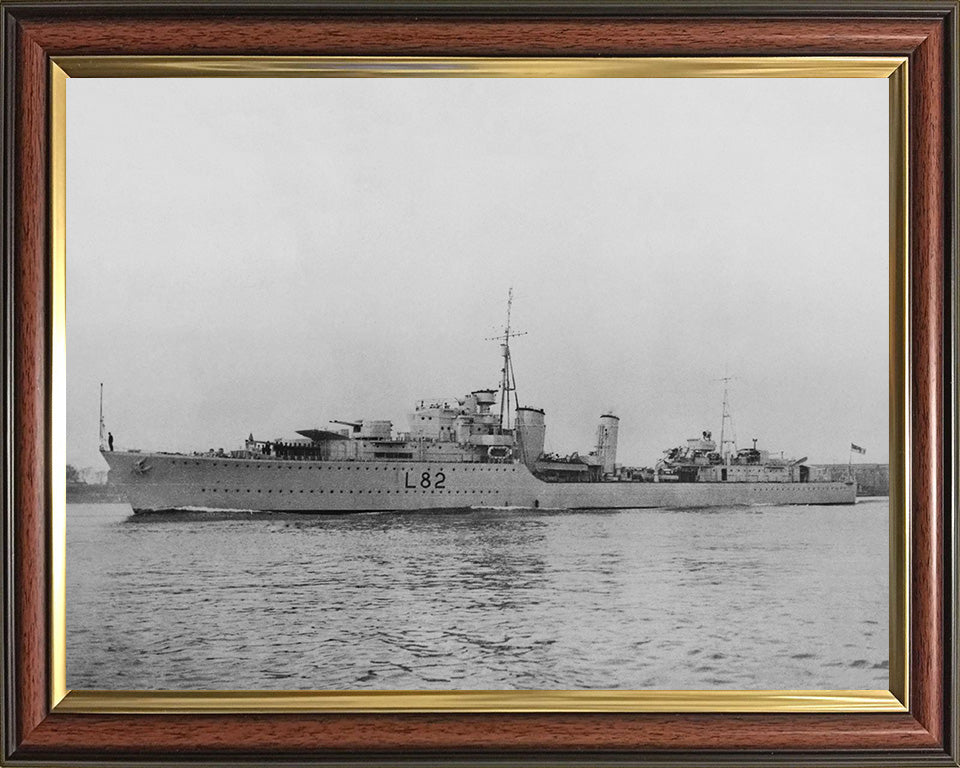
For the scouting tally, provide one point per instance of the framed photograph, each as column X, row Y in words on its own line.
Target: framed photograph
column 459, row 383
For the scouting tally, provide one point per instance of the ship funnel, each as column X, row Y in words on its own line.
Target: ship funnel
column 530, row 433
column 607, row 442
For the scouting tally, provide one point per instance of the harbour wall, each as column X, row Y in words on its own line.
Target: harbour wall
column 94, row 493
column 872, row 479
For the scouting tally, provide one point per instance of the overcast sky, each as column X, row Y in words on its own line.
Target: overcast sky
column 265, row 255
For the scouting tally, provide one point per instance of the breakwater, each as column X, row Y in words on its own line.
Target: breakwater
column 872, row 479
column 93, row 493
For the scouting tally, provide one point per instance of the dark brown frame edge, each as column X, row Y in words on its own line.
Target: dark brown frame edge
column 31, row 32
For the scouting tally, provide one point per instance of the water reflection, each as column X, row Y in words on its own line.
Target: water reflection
column 774, row 597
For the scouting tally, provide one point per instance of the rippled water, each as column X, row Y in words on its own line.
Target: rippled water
column 762, row 597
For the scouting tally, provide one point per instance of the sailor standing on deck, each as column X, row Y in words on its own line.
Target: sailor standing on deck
column 109, row 440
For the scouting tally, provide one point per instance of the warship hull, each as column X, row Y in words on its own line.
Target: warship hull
column 154, row 482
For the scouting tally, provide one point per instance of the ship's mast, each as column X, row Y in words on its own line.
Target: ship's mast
column 726, row 417
column 101, row 414
column 508, row 382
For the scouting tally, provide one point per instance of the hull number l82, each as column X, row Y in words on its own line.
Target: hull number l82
column 435, row 480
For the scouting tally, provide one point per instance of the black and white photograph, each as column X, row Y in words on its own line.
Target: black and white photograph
column 403, row 383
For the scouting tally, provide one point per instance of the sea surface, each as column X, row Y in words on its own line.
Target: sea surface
column 733, row 598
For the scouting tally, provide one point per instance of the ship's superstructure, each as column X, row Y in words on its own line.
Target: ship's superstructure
column 479, row 450
column 700, row 461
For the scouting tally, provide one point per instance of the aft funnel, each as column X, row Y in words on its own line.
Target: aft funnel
column 607, row 442
column 531, row 430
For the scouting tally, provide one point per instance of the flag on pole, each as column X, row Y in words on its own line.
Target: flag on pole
column 856, row 448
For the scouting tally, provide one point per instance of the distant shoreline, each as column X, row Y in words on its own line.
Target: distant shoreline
column 93, row 493
column 872, row 479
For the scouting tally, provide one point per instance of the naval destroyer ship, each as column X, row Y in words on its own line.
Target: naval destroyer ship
column 482, row 450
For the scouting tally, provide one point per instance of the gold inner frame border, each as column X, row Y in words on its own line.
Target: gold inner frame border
column 894, row 69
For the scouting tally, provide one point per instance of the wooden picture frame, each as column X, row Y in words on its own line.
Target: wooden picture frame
column 40, row 729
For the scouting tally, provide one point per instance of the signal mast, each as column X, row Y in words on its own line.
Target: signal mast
column 508, row 382
column 101, row 415
column 725, row 418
